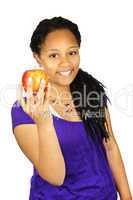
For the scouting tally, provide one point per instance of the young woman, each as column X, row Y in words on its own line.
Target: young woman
column 66, row 131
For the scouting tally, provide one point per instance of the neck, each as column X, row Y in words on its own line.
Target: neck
column 60, row 90
column 60, row 93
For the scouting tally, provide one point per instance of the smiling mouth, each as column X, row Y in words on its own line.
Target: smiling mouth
column 65, row 73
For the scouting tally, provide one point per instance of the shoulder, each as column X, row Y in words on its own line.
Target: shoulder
column 16, row 107
column 18, row 115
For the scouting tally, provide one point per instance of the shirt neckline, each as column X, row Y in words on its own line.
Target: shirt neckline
column 67, row 120
column 55, row 114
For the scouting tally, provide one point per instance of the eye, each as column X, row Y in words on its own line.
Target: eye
column 73, row 52
column 54, row 55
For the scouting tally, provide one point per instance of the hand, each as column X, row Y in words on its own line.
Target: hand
column 35, row 105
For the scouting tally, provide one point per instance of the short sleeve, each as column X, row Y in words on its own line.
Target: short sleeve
column 18, row 116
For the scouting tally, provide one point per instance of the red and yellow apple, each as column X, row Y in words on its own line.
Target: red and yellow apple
column 34, row 75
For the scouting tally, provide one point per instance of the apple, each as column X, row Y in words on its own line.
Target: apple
column 35, row 75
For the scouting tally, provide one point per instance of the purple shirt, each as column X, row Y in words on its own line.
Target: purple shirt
column 88, row 175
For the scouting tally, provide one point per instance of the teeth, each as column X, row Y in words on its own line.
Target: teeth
column 65, row 73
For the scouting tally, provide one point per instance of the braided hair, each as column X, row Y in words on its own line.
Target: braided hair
column 95, row 89
column 93, row 112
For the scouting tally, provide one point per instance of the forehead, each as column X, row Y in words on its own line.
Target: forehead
column 60, row 39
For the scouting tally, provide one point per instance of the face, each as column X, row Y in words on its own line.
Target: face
column 59, row 55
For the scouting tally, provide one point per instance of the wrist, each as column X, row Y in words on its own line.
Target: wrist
column 43, row 118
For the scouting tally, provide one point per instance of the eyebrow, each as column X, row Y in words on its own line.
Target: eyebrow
column 68, row 48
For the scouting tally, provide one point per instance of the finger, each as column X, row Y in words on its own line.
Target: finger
column 41, row 92
column 42, row 85
column 29, row 89
column 29, row 95
column 47, row 97
column 19, row 92
column 20, row 98
column 48, row 89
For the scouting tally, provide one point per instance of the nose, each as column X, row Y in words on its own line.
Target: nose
column 64, row 61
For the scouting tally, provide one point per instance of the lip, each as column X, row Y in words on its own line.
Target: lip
column 66, row 70
column 65, row 76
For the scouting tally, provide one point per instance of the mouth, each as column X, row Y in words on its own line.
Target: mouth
column 65, row 73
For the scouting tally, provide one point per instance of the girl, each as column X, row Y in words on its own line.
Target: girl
column 66, row 131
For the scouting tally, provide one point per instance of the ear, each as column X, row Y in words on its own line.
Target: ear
column 37, row 58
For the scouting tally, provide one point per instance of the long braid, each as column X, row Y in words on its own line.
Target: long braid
column 92, row 85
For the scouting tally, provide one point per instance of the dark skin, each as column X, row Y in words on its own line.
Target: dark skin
column 59, row 52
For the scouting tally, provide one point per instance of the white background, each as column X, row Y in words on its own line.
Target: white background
column 106, row 52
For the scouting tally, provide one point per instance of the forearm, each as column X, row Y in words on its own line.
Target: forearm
column 51, row 162
column 119, row 173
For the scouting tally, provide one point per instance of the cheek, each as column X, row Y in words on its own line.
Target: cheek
column 52, row 67
column 52, row 62
column 52, row 72
column 75, row 61
column 49, row 63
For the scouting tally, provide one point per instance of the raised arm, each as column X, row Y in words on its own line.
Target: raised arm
column 39, row 141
